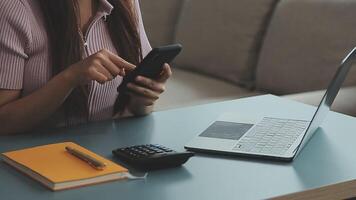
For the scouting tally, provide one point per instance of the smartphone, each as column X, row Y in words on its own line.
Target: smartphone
column 152, row 65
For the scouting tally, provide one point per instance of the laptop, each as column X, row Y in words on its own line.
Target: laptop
column 271, row 137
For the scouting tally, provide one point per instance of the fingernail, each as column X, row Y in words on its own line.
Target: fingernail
column 138, row 78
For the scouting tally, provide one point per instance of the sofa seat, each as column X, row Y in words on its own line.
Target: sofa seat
column 186, row 88
column 344, row 102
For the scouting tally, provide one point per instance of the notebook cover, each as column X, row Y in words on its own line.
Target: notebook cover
column 57, row 165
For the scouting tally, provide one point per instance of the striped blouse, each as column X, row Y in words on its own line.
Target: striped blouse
column 25, row 56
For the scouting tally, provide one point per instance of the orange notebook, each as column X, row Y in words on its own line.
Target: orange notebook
column 57, row 169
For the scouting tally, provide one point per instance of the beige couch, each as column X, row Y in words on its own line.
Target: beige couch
column 238, row 48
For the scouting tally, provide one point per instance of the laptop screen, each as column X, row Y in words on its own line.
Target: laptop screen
column 328, row 98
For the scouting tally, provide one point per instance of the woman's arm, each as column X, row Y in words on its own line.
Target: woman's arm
column 21, row 114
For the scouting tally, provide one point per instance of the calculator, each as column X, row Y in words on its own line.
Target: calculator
column 152, row 156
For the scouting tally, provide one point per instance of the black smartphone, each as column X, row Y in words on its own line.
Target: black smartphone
column 152, row 65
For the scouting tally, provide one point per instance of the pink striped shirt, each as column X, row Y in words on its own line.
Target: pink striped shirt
column 25, row 56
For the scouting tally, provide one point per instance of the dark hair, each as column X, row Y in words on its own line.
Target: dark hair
column 61, row 20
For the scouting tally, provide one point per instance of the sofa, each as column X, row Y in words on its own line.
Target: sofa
column 241, row 48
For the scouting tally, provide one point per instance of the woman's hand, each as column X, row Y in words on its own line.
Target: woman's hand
column 145, row 91
column 102, row 66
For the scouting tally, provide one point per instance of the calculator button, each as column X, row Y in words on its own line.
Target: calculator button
column 164, row 149
column 132, row 154
column 157, row 150
column 151, row 152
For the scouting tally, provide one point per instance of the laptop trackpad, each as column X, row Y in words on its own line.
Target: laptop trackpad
column 226, row 130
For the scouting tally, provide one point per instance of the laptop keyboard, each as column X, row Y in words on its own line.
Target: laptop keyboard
column 271, row 136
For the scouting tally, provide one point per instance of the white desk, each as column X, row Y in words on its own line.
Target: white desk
column 330, row 156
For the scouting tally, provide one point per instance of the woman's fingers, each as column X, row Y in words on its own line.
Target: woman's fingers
column 110, row 66
column 96, row 75
column 142, row 100
column 148, row 90
column 119, row 62
column 142, row 91
column 102, row 66
column 165, row 74
column 151, row 84
column 105, row 72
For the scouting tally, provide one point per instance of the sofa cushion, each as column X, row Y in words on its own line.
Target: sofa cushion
column 222, row 38
column 345, row 101
column 187, row 88
column 160, row 18
column 304, row 45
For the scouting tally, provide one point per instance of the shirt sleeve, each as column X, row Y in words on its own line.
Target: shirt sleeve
column 146, row 47
column 15, row 37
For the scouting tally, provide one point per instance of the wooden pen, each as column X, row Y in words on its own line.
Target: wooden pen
column 96, row 164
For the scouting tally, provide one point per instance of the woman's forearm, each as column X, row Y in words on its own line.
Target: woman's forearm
column 27, row 112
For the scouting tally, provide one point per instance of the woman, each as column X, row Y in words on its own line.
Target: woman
column 61, row 62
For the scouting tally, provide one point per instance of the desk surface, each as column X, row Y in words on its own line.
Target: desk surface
column 328, row 158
